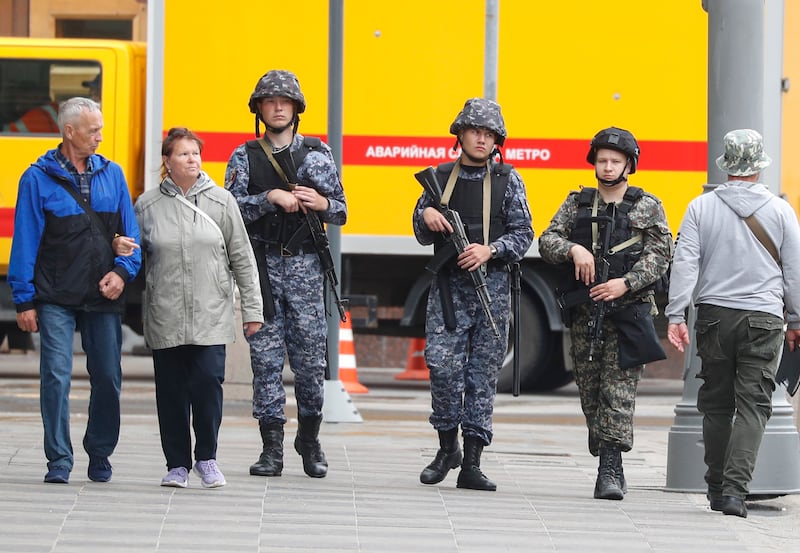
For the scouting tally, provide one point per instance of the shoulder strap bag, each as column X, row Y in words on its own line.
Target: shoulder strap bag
column 208, row 218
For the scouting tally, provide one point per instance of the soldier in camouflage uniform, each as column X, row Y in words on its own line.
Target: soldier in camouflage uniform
column 741, row 294
column 607, row 380
column 462, row 351
column 292, row 280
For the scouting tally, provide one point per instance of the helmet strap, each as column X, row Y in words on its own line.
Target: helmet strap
column 610, row 183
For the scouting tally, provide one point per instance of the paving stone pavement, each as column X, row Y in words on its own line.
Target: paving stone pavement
column 371, row 500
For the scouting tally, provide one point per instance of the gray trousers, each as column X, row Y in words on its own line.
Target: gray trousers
column 740, row 352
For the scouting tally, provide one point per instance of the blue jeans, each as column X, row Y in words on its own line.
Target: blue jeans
column 101, row 338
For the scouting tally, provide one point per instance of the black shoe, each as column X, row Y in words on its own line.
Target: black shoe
column 99, row 469
column 733, row 506
column 315, row 464
column 270, row 463
column 607, row 487
column 57, row 475
column 306, row 443
column 472, row 478
column 715, row 500
column 440, row 466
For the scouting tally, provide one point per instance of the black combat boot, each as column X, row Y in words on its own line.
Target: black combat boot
column 620, row 473
column 307, row 445
column 607, row 485
column 471, row 476
column 448, row 457
column 270, row 463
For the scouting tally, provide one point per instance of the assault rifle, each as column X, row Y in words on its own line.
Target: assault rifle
column 427, row 178
column 601, row 266
column 285, row 162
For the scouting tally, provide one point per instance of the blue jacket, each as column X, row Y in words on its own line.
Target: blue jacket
column 57, row 254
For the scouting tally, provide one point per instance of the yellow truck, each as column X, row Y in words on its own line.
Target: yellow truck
column 564, row 71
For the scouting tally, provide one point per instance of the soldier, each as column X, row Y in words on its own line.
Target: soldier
column 292, row 282
column 741, row 291
column 608, row 371
column 462, row 351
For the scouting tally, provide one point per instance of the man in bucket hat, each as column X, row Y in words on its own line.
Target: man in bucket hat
column 741, row 291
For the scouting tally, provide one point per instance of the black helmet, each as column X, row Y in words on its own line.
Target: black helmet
column 278, row 83
column 481, row 113
column 617, row 139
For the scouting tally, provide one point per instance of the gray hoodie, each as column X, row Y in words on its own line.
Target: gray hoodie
column 719, row 261
column 189, row 276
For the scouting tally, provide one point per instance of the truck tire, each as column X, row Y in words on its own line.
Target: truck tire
column 542, row 365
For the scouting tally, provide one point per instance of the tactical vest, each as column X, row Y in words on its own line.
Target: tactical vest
column 467, row 200
column 622, row 261
column 278, row 227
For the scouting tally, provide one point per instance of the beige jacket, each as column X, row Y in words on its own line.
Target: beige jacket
column 190, row 271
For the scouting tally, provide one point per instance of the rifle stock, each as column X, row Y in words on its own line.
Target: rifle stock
column 427, row 178
column 285, row 161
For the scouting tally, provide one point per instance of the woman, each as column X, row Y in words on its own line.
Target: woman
column 194, row 243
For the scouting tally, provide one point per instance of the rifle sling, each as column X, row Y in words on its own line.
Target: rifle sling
column 292, row 246
column 619, row 247
column 267, row 150
column 594, row 223
column 442, row 256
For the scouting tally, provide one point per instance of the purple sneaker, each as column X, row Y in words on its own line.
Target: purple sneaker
column 209, row 473
column 176, row 478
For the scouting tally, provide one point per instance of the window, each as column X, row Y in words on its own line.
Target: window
column 31, row 89
column 121, row 29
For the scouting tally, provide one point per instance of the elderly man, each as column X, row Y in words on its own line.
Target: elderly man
column 64, row 275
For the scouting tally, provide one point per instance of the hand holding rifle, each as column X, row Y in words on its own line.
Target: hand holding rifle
column 309, row 202
column 449, row 223
column 600, row 304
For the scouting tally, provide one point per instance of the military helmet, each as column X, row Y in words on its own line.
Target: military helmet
column 617, row 139
column 278, row 83
column 481, row 113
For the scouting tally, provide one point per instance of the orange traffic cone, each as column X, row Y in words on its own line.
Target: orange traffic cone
column 348, row 373
column 416, row 369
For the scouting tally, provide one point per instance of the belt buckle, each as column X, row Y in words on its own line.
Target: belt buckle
column 285, row 252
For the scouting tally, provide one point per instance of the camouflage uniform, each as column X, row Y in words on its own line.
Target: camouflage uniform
column 299, row 328
column 607, row 391
column 465, row 361
column 606, row 384
column 290, row 272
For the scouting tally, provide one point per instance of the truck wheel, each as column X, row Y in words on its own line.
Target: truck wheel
column 536, row 346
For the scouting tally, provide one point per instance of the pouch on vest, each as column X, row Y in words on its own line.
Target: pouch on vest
column 636, row 334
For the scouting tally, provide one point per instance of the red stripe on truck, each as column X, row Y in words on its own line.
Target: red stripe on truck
column 533, row 153
column 6, row 222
